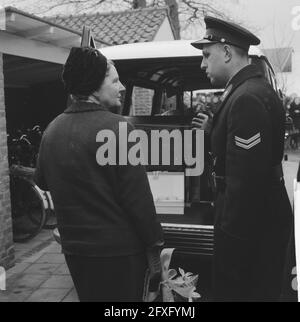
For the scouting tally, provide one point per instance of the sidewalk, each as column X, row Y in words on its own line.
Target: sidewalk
column 43, row 277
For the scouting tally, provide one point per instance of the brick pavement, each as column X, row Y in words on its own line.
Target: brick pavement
column 43, row 277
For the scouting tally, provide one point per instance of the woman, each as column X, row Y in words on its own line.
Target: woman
column 106, row 215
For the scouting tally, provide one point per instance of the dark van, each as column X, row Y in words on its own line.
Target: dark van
column 165, row 88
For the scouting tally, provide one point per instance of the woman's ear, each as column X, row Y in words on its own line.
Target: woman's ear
column 227, row 53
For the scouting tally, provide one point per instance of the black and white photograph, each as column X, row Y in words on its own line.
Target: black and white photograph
column 149, row 153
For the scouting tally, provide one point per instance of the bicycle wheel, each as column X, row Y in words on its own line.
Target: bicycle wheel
column 28, row 212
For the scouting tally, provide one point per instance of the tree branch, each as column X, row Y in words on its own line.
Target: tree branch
column 191, row 12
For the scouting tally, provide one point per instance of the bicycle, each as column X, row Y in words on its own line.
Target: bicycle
column 32, row 208
column 28, row 211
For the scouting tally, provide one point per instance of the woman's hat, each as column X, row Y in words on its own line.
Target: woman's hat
column 84, row 71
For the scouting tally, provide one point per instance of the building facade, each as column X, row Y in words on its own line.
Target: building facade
column 6, row 237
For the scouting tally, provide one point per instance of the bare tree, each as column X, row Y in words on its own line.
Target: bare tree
column 190, row 12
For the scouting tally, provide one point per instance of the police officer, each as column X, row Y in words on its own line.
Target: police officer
column 253, row 215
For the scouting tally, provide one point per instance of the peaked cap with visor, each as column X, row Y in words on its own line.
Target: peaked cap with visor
column 220, row 31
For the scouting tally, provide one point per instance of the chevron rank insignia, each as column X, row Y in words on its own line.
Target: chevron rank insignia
column 248, row 144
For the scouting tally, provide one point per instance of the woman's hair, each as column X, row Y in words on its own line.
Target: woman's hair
column 84, row 71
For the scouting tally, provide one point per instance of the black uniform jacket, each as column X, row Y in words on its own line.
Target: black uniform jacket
column 101, row 210
column 253, row 214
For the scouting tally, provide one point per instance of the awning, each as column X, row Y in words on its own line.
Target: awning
column 26, row 35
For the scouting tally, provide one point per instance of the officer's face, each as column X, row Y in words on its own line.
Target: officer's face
column 214, row 64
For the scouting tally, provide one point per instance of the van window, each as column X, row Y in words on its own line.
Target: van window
column 142, row 100
column 169, row 104
column 183, row 103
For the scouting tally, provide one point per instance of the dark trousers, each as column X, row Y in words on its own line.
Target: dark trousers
column 252, row 268
column 113, row 279
column 243, row 271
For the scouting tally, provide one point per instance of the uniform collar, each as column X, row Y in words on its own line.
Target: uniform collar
column 248, row 72
column 84, row 106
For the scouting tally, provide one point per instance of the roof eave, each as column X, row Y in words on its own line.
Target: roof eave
column 50, row 23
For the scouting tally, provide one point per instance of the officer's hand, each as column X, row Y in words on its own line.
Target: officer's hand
column 202, row 122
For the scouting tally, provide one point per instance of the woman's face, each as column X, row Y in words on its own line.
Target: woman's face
column 109, row 93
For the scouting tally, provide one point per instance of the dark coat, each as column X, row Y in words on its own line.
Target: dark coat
column 253, row 214
column 101, row 210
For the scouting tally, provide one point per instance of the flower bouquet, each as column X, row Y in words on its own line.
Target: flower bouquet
column 174, row 286
column 180, row 287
